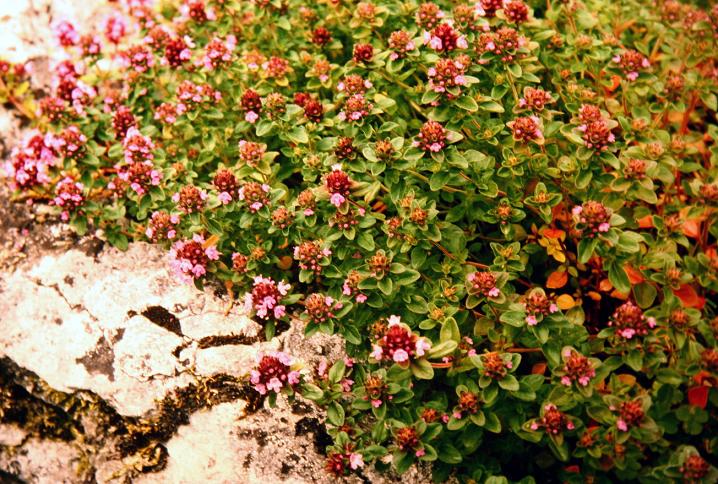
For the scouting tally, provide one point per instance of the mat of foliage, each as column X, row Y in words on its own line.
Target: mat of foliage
column 507, row 210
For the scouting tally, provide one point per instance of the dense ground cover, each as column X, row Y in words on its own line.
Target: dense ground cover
column 506, row 209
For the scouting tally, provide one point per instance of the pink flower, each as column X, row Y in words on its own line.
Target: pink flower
column 347, row 384
column 566, row 381
column 293, row 377
column 377, row 352
column 494, row 292
column 251, row 117
column 604, row 227
column 279, row 311
column 283, row 288
column 212, row 253
column 361, row 298
column 420, row 453
column 553, row 308
column 225, row 198
column 621, row 425
column 337, row 199
column 393, row 319
column 400, row 356
column 376, row 403
column 356, row 461
column 534, row 426
column 275, row 385
column 531, row 320
column 254, row 376
column 422, row 345
column 627, row 333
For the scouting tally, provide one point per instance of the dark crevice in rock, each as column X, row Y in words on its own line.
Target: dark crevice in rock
column 30, row 403
column 91, row 246
column 220, row 340
column 100, row 360
column 230, row 339
column 163, row 318
column 300, row 408
column 312, row 425
column 7, row 478
column 259, row 435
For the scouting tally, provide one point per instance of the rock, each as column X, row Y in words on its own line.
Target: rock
column 44, row 462
column 11, row 435
column 102, row 326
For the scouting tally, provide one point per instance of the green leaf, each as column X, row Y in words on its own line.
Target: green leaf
column 515, row 70
column 509, row 383
column 366, row 241
column 79, row 224
column 467, row 103
column 450, row 331
column 422, row 369
column 402, row 461
column 385, row 286
column 449, row 454
column 311, row 392
column 645, row 294
column 618, row 277
column 492, row 107
column 634, row 359
column 336, row 372
column 629, row 242
column 298, row 135
column 442, row 349
column 335, row 414
column 585, row 249
column 117, row 239
column 493, row 424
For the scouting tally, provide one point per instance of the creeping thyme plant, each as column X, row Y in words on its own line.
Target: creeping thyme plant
column 507, row 209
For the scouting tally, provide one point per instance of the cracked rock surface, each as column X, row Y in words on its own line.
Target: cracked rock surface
column 78, row 324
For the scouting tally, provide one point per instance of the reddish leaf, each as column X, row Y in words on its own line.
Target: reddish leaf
column 553, row 233
column 689, row 297
column 698, row 396
column 619, row 295
column 634, row 276
column 557, row 279
column 605, row 285
column 646, row 222
column 692, row 228
column 702, row 376
column 538, row 369
column 616, row 82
